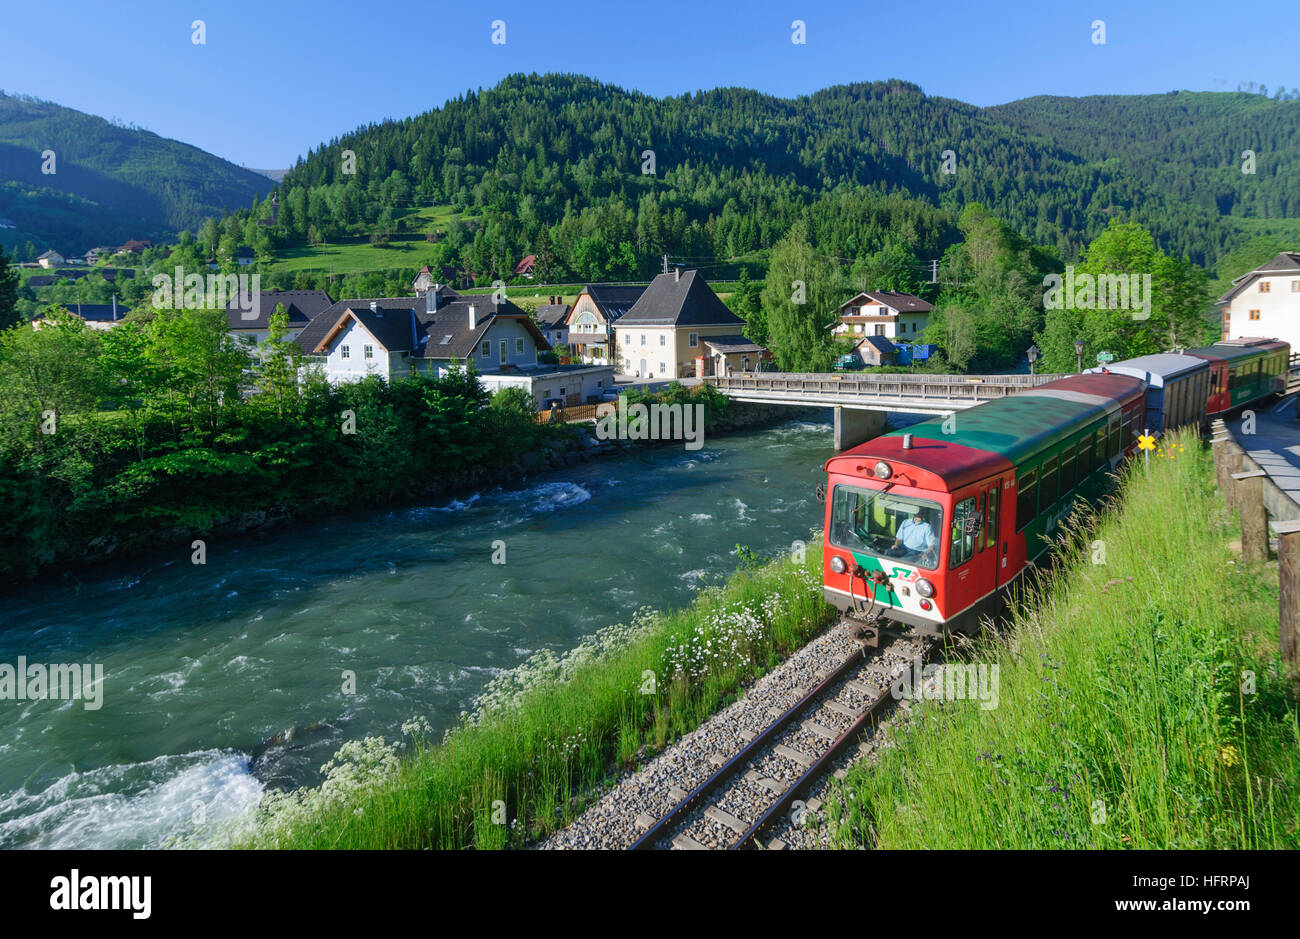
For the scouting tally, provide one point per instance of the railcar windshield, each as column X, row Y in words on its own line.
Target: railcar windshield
column 886, row 525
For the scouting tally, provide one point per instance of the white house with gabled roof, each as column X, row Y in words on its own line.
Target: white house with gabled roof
column 1265, row 302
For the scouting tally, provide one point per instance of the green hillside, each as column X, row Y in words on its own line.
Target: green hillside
column 111, row 183
column 554, row 165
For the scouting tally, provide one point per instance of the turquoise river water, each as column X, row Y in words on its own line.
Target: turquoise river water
column 203, row 664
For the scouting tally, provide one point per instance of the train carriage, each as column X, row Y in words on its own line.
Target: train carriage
column 1244, row 371
column 1178, row 387
column 927, row 524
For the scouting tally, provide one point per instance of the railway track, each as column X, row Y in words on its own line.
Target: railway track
column 759, row 786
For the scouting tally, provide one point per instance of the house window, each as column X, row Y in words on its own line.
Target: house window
column 369, row 351
column 1254, row 314
column 563, row 393
column 880, row 329
column 345, row 353
column 693, row 339
column 663, row 340
column 662, row 368
column 1295, row 286
column 643, row 339
column 486, row 349
column 519, row 347
column 1265, row 286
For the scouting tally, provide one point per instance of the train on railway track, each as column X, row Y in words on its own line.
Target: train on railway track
column 929, row 525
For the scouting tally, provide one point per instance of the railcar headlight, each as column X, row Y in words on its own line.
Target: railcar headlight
column 838, row 565
column 924, row 587
column 882, row 470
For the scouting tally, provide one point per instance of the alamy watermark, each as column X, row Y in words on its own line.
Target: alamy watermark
column 968, row 682
column 183, row 291
column 1098, row 291
column 651, row 422
column 35, row 682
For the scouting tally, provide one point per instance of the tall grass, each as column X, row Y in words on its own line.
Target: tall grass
column 1125, row 717
column 550, row 733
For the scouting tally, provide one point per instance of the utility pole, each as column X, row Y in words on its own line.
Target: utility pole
column 934, row 271
column 665, row 264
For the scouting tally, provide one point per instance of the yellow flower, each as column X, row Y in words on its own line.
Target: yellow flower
column 1228, row 755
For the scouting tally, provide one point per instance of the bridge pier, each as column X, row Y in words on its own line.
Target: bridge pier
column 856, row 425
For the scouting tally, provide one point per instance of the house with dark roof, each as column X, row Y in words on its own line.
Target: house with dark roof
column 875, row 350
column 1265, row 301
column 135, row 246
column 589, row 324
column 663, row 335
column 50, row 259
column 41, row 280
column 896, row 316
column 550, row 320
column 244, row 256
column 399, row 337
column 95, row 315
column 252, row 324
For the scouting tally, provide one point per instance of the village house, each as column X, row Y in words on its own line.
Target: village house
column 100, row 316
column 1265, row 302
column 134, row 247
column 896, row 316
column 525, row 267
column 666, row 332
column 403, row 336
column 551, row 318
column 874, row 350
column 253, row 326
column 589, row 324
column 95, row 255
column 50, row 259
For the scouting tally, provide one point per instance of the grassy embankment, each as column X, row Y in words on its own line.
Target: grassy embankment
column 558, row 728
column 1125, row 715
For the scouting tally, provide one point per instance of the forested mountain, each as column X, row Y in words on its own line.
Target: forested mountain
column 554, row 165
column 110, row 183
column 1190, row 146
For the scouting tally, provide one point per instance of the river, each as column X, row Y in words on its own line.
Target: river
column 204, row 663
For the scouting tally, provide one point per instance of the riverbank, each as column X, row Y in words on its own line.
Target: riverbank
column 1141, row 701
column 548, row 735
column 406, row 443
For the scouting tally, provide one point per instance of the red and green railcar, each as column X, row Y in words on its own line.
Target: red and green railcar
column 1243, row 371
column 928, row 524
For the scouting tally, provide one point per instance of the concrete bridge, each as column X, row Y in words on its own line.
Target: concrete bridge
column 860, row 399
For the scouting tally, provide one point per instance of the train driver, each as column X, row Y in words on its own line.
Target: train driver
column 915, row 537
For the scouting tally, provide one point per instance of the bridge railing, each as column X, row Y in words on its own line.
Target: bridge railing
column 894, row 386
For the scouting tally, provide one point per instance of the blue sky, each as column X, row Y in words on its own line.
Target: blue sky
column 274, row 79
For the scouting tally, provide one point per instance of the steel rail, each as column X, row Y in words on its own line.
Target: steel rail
column 777, row 809
column 730, row 768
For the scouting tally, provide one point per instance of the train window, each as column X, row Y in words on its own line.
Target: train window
column 1067, row 470
column 1126, row 433
column 1047, row 485
column 886, row 525
column 1026, row 498
column 1100, row 440
column 981, row 522
column 965, row 529
column 1085, row 457
column 1112, row 447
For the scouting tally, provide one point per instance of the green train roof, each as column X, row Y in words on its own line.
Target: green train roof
column 1020, row 426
